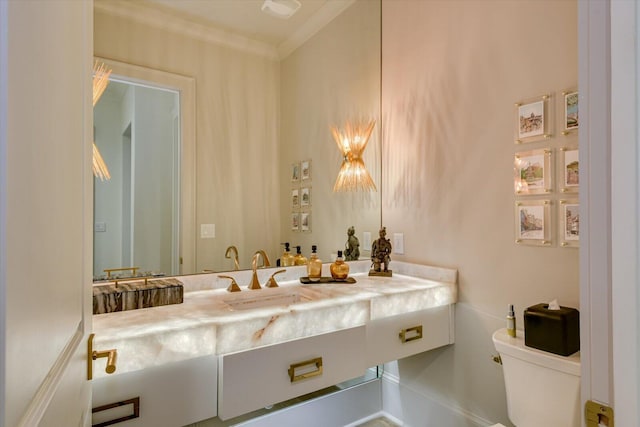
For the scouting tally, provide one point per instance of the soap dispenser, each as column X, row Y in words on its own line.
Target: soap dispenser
column 299, row 259
column 314, row 268
column 287, row 259
column 339, row 268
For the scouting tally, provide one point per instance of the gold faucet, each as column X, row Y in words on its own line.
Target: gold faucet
column 235, row 257
column 255, row 284
column 233, row 287
column 265, row 258
column 271, row 283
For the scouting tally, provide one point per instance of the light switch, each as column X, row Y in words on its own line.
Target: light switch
column 366, row 241
column 398, row 243
column 100, row 227
column 207, row 231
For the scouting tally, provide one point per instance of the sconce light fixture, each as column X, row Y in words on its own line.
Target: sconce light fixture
column 351, row 142
column 283, row 9
column 100, row 81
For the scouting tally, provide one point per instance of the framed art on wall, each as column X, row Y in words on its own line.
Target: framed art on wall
column 295, row 172
column 569, row 168
column 295, row 198
column 571, row 120
column 305, row 196
column 533, row 119
column 305, row 221
column 532, row 172
column 305, row 170
column 569, row 223
column 295, row 221
column 533, row 222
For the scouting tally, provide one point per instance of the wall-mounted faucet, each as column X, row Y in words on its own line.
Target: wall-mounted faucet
column 235, row 256
column 265, row 258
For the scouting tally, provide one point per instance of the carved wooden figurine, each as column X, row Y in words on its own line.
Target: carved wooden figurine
column 380, row 251
column 352, row 247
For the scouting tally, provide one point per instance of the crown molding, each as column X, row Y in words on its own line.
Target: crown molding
column 145, row 14
column 315, row 23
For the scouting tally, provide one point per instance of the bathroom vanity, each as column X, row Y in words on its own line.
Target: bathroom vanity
column 224, row 354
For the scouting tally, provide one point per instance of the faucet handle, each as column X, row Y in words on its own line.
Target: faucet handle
column 233, row 287
column 272, row 281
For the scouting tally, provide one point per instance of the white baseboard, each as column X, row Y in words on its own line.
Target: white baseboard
column 414, row 408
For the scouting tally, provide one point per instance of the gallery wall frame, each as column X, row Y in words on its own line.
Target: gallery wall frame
column 533, row 119
column 533, row 173
column 295, row 172
column 295, row 221
column 569, row 223
column 569, row 106
column 568, row 169
column 305, row 197
column 305, row 221
column 533, row 224
column 305, row 170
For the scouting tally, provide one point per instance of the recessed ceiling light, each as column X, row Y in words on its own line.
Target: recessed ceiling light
column 281, row 8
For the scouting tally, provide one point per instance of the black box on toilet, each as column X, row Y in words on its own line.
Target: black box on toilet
column 555, row 331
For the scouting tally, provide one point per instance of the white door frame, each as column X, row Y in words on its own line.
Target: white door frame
column 609, row 198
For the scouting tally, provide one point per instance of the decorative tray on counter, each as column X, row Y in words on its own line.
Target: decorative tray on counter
column 306, row 280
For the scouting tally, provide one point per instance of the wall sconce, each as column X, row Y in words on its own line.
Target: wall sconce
column 351, row 142
column 100, row 82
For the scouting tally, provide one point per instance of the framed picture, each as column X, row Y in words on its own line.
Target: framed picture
column 533, row 119
column 305, row 170
column 532, row 172
column 295, row 172
column 295, row 221
column 569, row 223
column 295, row 198
column 571, row 120
column 305, row 196
column 533, row 224
column 569, row 168
column 305, row 221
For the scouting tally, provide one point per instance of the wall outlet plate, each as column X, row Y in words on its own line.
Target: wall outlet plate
column 398, row 243
column 366, row 241
column 207, row 231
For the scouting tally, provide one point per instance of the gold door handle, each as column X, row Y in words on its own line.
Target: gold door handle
column 92, row 355
column 404, row 334
column 317, row 363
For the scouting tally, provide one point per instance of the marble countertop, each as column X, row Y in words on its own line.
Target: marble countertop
column 209, row 321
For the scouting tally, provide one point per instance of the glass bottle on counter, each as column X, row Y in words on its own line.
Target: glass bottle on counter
column 299, row 259
column 314, row 268
column 339, row 268
column 287, row 259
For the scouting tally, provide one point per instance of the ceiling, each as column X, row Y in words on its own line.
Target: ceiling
column 246, row 18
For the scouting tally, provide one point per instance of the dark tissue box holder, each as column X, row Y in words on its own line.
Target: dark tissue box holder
column 555, row 331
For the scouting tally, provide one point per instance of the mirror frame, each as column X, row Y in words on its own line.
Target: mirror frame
column 186, row 88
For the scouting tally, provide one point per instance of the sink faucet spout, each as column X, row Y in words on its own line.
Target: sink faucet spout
column 227, row 255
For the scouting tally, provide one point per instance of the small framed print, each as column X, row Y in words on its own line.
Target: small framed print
column 305, row 221
column 532, row 172
column 305, row 170
column 571, row 120
column 569, row 170
column 305, row 196
column 295, row 198
column 533, row 224
column 569, row 223
column 295, row 172
column 295, row 221
column 533, row 119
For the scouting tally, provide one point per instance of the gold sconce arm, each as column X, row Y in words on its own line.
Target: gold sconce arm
column 92, row 355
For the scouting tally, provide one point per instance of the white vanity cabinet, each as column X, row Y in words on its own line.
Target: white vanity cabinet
column 395, row 337
column 169, row 395
column 253, row 379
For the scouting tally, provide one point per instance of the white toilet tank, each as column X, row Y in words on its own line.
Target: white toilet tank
column 543, row 389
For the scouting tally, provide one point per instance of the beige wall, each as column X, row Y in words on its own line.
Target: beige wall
column 332, row 78
column 452, row 72
column 236, row 134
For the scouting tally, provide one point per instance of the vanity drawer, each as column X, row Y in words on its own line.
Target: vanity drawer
column 252, row 379
column 395, row 337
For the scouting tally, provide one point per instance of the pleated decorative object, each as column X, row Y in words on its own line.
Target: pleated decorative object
column 100, row 81
column 352, row 141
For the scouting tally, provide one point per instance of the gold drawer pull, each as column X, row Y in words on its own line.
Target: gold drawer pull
column 317, row 362
column 403, row 334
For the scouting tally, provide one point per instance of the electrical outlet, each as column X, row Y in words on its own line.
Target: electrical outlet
column 398, row 243
column 207, row 231
column 366, row 241
column 100, row 227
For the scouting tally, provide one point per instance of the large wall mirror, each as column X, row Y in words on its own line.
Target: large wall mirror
column 247, row 99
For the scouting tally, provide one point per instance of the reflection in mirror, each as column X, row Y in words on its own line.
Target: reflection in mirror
column 260, row 108
column 135, row 212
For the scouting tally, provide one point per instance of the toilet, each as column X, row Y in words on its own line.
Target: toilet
column 543, row 389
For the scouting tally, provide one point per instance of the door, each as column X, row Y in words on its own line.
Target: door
column 45, row 211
